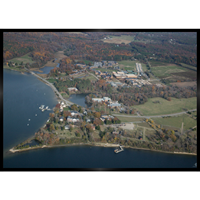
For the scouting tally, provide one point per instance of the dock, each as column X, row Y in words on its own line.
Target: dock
column 42, row 108
column 120, row 149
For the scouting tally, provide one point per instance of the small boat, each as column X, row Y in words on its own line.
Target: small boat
column 27, row 124
column 29, row 119
column 35, row 114
column 41, row 107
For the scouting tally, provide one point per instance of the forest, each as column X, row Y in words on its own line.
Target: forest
column 171, row 47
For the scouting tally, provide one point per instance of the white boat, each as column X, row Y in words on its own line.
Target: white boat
column 27, row 124
column 29, row 119
column 35, row 114
column 41, row 107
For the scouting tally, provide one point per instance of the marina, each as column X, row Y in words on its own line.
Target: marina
column 42, row 108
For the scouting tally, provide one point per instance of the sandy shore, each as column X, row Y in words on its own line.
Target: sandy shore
column 97, row 144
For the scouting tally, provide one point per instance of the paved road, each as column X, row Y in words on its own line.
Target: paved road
column 155, row 116
column 52, row 86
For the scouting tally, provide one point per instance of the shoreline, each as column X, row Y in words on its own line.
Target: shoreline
column 100, row 145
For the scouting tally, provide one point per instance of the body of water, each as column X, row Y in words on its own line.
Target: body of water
column 23, row 94
column 78, row 99
column 45, row 70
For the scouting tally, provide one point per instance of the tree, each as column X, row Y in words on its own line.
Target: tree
column 51, row 127
column 98, row 127
column 97, row 114
column 77, row 134
column 70, row 128
column 169, row 98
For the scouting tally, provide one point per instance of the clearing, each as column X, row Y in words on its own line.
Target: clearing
column 165, row 71
column 129, row 119
column 184, row 84
column 177, row 121
column 165, row 106
column 59, row 55
column 131, row 65
column 25, row 59
column 119, row 39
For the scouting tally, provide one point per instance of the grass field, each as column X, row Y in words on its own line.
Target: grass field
column 119, row 39
column 166, row 107
column 164, row 71
column 65, row 95
column 177, row 121
column 189, row 66
column 129, row 119
column 51, row 80
column 184, row 84
column 158, row 63
column 59, row 55
column 130, row 65
column 91, row 78
column 25, row 59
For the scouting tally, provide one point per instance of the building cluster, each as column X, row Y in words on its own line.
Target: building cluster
column 73, row 118
column 72, row 89
column 107, row 101
column 77, row 72
column 104, row 75
column 123, row 75
column 103, row 64
column 104, row 117
column 139, row 82
column 61, row 105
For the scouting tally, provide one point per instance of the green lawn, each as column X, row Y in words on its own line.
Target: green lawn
column 90, row 77
column 177, row 121
column 131, row 65
column 51, row 80
column 189, row 66
column 25, row 59
column 166, row 107
column 157, row 63
column 164, row 71
column 129, row 119
column 65, row 95
column 124, row 37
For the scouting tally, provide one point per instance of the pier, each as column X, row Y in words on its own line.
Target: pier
column 119, row 150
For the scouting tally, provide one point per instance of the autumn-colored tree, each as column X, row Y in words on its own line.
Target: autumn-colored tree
column 132, row 112
column 51, row 127
column 97, row 114
column 66, row 113
column 74, row 107
column 51, row 115
column 97, row 122
column 56, row 110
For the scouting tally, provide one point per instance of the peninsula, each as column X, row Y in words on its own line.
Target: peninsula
column 133, row 99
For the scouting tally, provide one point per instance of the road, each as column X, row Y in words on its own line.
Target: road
column 155, row 116
column 68, row 103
